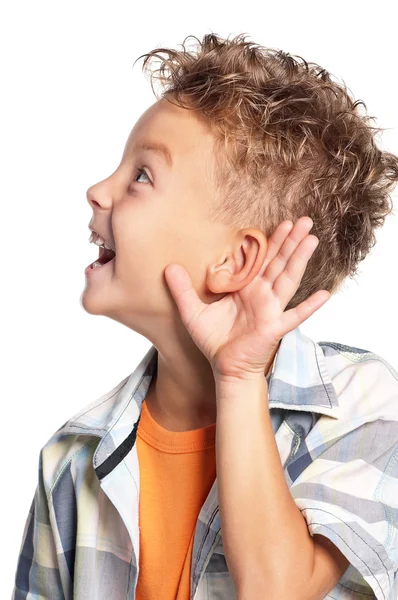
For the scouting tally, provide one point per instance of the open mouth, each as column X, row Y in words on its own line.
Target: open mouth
column 104, row 257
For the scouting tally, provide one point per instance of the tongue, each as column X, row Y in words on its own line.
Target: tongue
column 106, row 256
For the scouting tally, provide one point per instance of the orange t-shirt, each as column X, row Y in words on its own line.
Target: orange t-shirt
column 177, row 471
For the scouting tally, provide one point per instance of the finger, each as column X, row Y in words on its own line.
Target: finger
column 289, row 280
column 180, row 284
column 275, row 242
column 295, row 316
column 296, row 235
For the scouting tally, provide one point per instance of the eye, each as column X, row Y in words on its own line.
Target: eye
column 140, row 172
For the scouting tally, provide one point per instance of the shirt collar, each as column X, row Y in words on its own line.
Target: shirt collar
column 299, row 380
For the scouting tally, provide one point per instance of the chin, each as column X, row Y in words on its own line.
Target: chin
column 92, row 305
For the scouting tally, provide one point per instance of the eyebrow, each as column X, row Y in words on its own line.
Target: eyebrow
column 159, row 148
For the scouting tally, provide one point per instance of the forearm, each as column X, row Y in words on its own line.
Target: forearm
column 269, row 549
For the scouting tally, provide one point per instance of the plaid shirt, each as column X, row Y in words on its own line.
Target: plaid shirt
column 334, row 412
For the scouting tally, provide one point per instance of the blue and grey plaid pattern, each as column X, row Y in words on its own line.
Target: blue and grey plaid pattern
column 334, row 411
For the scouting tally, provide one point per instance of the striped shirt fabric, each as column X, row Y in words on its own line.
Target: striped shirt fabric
column 334, row 413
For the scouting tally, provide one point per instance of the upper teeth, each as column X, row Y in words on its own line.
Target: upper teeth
column 97, row 239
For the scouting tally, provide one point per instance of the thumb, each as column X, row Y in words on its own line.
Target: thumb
column 180, row 284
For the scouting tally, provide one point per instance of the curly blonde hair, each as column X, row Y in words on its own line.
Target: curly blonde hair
column 289, row 142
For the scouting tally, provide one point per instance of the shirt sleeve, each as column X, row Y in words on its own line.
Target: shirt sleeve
column 37, row 574
column 349, row 494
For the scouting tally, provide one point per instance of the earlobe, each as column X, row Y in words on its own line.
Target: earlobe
column 220, row 277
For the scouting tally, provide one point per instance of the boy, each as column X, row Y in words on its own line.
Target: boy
column 206, row 251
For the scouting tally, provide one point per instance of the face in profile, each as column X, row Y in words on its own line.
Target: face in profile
column 152, row 212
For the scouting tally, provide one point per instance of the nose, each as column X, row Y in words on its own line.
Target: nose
column 99, row 196
column 90, row 197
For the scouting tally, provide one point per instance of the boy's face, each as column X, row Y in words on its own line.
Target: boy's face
column 153, row 218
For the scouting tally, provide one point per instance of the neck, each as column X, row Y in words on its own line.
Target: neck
column 182, row 393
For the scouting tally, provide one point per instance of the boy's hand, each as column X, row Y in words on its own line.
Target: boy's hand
column 239, row 333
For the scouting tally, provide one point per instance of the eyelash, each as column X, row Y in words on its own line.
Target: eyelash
column 140, row 172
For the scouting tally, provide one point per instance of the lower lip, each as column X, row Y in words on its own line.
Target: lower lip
column 90, row 272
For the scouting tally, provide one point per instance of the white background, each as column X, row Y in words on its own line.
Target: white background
column 70, row 97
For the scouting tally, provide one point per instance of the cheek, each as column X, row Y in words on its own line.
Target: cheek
column 141, row 261
column 153, row 234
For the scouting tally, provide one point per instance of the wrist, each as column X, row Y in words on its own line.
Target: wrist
column 240, row 387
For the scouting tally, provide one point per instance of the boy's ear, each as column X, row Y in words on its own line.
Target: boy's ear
column 240, row 265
